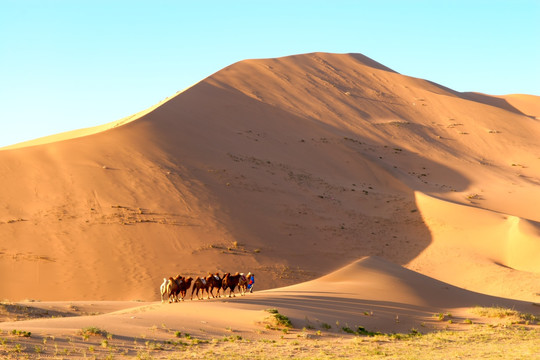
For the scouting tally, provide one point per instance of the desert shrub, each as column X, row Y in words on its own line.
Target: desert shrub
column 281, row 319
column 500, row 312
column 21, row 333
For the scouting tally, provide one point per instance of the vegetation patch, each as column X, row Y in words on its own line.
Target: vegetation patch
column 92, row 331
column 21, row 333
column 280, row 319
column 506, row 313
column 476, row 342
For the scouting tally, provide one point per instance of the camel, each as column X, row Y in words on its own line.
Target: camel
column 242, row 284
column 214, row 282
column 163, row 289
column 202, row 285
column 173, row 288
column 230, row 282
column 184, row 286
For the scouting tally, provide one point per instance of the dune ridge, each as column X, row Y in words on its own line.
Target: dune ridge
column 73, row 134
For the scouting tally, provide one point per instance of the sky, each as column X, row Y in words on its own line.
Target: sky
column 72, row 64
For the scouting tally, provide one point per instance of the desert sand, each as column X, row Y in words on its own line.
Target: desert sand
column 356, row 195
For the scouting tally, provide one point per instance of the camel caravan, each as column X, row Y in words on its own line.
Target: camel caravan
column 176, row 288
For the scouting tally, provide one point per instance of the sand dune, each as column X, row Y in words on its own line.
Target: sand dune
column 370, row 292
column 289, row 168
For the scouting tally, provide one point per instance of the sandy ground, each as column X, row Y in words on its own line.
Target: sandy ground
column 371, row 292
column 292, row 168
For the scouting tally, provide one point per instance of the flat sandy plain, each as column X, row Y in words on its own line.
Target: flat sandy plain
column 383, row 215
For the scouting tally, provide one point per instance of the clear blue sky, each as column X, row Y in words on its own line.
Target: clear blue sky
column 69, row 64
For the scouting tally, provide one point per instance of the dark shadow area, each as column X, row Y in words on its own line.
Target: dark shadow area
column 374, row 313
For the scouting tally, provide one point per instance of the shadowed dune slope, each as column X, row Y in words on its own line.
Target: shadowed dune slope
column 286, row 167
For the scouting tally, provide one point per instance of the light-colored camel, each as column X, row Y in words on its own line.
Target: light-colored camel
column 163, row 289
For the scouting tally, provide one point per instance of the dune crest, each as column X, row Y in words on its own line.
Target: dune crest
column 527, row 104
column 73, row 134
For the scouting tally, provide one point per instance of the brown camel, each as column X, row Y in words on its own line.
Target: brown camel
column 202, row 285
column 214, row 282
column 184, row 286
column 242, row 284
column 173, row 288
column 230, row 282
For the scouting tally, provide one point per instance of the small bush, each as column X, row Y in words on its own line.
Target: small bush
column 359, row 331
column 232, row 338
column 151, row 345
column 21, row 333
column 281, row 319
column 92, row 330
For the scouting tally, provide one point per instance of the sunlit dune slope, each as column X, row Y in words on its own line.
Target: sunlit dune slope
column 288, row 168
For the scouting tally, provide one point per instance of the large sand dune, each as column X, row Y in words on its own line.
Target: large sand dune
column 289, row 168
